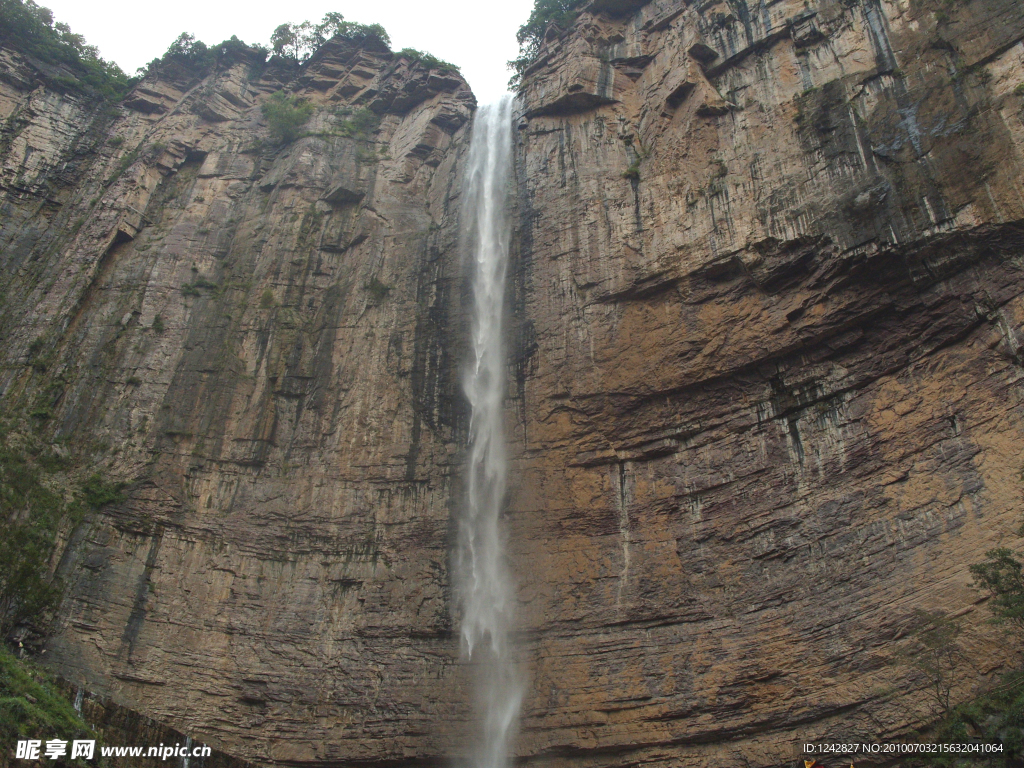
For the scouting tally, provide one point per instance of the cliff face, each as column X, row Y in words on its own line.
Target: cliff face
column 764, row 380
column 264, row 342
column 767, row 366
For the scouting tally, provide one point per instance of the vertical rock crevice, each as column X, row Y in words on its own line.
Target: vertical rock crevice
column 765, row 310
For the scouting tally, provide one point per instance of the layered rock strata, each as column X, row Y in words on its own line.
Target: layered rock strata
column 767, row 370
column 117, row 726
column 263, row 342
column 764, row 381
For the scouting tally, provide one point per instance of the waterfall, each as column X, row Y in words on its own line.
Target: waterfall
column 484, row 581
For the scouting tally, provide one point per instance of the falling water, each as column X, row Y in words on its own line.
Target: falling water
column 485, row 582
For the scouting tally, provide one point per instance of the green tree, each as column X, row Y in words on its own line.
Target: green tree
column 997, row 715
column 300, row 41
column 365, row 33
column 30, row 29
column 561, row 13
column 286, row 115
column 292, row 41
column 333, row 23
column 939, row 656
column 194, row 55
column 282, row 39
column 1002, row 576
column 427, row 59
column 189, row 52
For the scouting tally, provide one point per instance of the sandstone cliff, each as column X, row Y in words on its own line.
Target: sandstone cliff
column 765, row 379
column 768, row 368
column 263, row 341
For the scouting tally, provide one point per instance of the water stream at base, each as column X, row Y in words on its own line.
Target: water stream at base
column 484, row 580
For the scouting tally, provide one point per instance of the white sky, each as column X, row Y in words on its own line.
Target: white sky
column 477, row 36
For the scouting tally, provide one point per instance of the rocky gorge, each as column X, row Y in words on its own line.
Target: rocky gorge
column 765, row 325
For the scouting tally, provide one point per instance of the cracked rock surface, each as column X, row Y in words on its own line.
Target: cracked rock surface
column 765, row 379
column 767, row 371
column 263, row 341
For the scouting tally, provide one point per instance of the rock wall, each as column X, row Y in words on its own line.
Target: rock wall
column 117, row 726
column 767, row 367
column 764, row 380
column 264, row 342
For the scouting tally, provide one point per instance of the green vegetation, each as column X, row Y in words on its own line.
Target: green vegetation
column 378, row 291
column 158, row 324
column 299, row 41
column 362, row 123
column 530, row 36
column 427, row 60
column 938, row 656
column 286, row 115
column 96, row 492
column 1002, row 576
column 39, row 360
column 188, row 52
column 42, row 363
column 367, row 155
column 633, row 172
column 196, row 57
column 267, row 299
column 31, row 706
column 194, row 288
column 997, row 715
column 123, row 165
column 34, row 508
column 30, row 29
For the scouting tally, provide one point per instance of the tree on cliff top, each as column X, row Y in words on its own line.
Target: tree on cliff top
column 188, row 51
column 197, row 58
column 428, row 60
column 300, row 41
column 30, row 29
column 530, row 36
